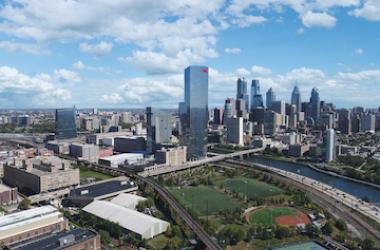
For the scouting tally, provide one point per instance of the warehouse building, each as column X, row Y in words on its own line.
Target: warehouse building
column 128, row 200
column 121, row 159
column 144, row 225
column 75, row 239
column 40, row 174
column 31, row 223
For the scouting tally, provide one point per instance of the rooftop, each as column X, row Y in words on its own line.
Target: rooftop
column 56, row 241
column 122, row 156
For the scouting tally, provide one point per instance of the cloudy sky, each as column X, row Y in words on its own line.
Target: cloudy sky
column 128, row 53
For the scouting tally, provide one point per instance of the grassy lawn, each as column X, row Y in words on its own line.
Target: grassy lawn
column 254, row 188
column 86, row 173
column 199, row 196
column 158, row 242
column 257, row 244
column 267, row 216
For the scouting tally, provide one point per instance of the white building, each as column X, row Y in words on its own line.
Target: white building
column 330, row 144
column 171, row 156
column 128, row 200
column 144, row 225
column 87, row 152
column 121, row 159
column 235, row 130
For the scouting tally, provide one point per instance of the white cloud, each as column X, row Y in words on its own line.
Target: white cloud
column 322, row 19
column 40, row 89
column 232, row 50
column 66, row 76
column 301, row 31
column 79, row 65
column 23, row 47
column 259, row 70
column 113, row 98
column 242, row 72
column 244, row 21
column 99, row 49
column 358, row 52
column 370, row 10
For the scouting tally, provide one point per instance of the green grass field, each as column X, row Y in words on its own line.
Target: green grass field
column 254, row 188
column 267, row 216
column 199, row 196
column 86, row 173
column 310, row 245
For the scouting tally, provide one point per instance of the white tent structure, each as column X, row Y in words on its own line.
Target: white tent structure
column 139, row 223
column 128, row 200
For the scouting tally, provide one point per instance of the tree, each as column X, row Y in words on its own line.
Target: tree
column 105, row 237
column 312, row 231
column 368, row 244
column 341, row 225
column 282, row 232
column 24, row 204
column 328, row 228
column 233, row 234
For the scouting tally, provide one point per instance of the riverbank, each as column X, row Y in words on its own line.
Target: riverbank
column 309, row 165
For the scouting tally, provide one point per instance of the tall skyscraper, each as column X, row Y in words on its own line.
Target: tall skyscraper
column 271, row 97
column 330, row 145
column 235, row 130
column 229, row 109
column 296, row 98
column 315, row 105
column 242, row 92
column 256, row 97
column 65, row 123
column 368, row 122
column 195, row 121
column 279, row 107
column 344, row 121
column 159, row 128
column 217, row 116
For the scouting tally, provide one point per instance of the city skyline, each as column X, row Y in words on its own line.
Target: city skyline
column 333, row 46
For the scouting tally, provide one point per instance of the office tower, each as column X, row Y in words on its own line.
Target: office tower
column 315, row 105
column 158, row 128
column 279, row 107
column 296, row 98
column 196, row 119
column 218, row 116
column 181, row 108
column 235, row 130
column 271, row 97
column 240, row 108
column 271, row 122
column 356, row 123
column 65, row 123
column 327, row 120
column 256, row 97
column 368, row 122
column 344, row 121
column 330, row 145
column 293, row 116
column 229, row 109
column 242, row 92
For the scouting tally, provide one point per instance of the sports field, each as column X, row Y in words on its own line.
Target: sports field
column 254, row 188
column 310, row 245
column 278, row 215
column 201, row 197
column 86, row 173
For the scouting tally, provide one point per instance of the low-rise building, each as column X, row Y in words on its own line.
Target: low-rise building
column 171, row 156
column 30, row 224
column 8, row 195
column 130, row 144
column 40, row 174
column 75, row 239
column 121, row 159
column 88, row 152
column 58, row 147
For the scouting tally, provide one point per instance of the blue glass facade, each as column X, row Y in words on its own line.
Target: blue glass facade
column 242, row 92
column 256, row 97
column 65, row 123
column 159, row 128
column 195, row 121
column 296, row 98
column 315, row 104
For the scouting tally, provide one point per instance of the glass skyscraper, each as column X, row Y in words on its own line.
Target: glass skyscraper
column 195, row 121
column 159, row 128
column 271, row 97
column 315, row 104
column 65, row 123
column 296, row 98
column 256, row 97
column 242, row 92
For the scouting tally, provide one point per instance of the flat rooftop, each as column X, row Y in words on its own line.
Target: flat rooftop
column 122, row 156
column 4, row 188
column 53, row 241
column 103, row 188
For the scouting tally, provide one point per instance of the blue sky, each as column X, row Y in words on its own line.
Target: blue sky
column 125, row 53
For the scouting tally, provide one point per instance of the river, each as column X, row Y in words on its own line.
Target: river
column 357, row 189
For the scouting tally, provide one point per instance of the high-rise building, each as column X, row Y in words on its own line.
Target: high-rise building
column 158, row 128
column 242, row 92
column 368, row 122
column 240, row 108
column 235, row 130
column 279, row 107
column 330, row 145
column 229, row 109
column 196, row 118
column 296, row 98
column 217, row 116
column 65, row 123
column 344, row 121
column 327, row 120
column 315, row 104
column 271, row 97
column 256, row 97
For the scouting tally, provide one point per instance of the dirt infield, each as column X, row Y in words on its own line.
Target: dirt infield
column 291, row 220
